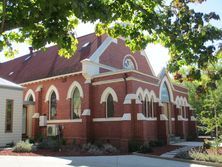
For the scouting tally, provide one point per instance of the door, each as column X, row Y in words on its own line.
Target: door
column 167, row 111
column 24, row 120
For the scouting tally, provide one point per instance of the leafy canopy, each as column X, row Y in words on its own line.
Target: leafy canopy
column 188, row 34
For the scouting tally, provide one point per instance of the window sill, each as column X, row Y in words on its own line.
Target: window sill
column 8, row 132
column 180, row 118
column 112, row 119
column 64, row 121
column 141, row 117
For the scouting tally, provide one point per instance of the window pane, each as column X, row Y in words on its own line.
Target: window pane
column 76, row 104
column 53, row 105
column 165, row 96
column 9, row 115
column 110, row 106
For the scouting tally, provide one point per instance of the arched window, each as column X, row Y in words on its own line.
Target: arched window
column 109, row 106
column 151, row 108
column 184, row 112
column 52, row 106
column 76, row 104
column 140, row 97
column 165, row 96
column 181, row 111
column 146, row 106
column 30, row 98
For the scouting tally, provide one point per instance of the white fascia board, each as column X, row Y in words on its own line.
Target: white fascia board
column 96, row 55
column 143, row 52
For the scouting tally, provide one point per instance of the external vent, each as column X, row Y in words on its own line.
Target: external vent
column 11, row 73
column 27, row 58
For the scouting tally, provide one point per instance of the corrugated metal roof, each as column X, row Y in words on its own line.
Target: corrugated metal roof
column 7, row 84
column 40, row 64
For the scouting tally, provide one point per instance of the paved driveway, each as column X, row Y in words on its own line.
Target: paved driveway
column 93, row 161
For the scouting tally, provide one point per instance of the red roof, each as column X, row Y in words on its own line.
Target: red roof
column 46, row 64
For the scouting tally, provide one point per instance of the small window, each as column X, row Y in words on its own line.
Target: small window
column 76, row 104
column 53, row 105
column 9, row 116
column 109, row 106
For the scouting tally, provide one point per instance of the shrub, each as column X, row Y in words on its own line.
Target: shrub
column 207, row 144
column 134, row 146
column 93, row 149
column 98, row 143
column 22, row 147
column 108, row 148
column 32, row 141
column 49, row 143
column 145, row 148
column 200, row 155
column 63, row 141
column 90, row 148
column 74, row 142
column 156, row 143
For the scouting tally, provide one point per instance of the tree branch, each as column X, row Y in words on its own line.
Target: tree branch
column 3, row 16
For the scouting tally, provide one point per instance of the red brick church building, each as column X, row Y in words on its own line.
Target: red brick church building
column 104, row 92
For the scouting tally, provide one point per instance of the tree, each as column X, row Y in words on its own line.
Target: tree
column 208, row 105
column 188, row 34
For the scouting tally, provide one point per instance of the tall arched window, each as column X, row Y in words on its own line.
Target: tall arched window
column 146, row 105
column 76, row 104
column 109, row 106
column 184, row 112
column 165, row 95
column 52, row 106
column 151, row 108
column 140, row 97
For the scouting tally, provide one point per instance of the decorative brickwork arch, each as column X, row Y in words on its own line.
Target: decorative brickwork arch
column 106, row 93
column 140, row 94
column 153, row 95
column 51, row 89
column 146, row 94
column 133, row 61
column 72, row 87
column 30, row 93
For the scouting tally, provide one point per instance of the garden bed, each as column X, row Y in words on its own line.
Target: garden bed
column 163, row 149
column 49, row 152
column 203, row 155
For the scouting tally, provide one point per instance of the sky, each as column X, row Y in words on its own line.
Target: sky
column 157, row 54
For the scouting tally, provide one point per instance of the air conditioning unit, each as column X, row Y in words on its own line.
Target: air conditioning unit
column 52, row 130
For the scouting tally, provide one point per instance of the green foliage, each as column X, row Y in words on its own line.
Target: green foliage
column 156, row 143
column 206, row 157
column 145, row 148
column 49, row 143
column 188, row 34
column 23, row 147
column 134, row 146
column 199, row 154
column 137, row 146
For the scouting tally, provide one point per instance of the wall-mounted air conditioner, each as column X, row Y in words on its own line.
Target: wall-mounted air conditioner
column 52, row 130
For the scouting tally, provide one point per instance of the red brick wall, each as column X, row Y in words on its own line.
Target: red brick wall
column 115, row 59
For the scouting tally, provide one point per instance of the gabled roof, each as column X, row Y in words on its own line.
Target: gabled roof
column 46, row 64
column 7, row 84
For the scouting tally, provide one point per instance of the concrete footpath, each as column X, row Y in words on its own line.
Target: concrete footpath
column 90, row 161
